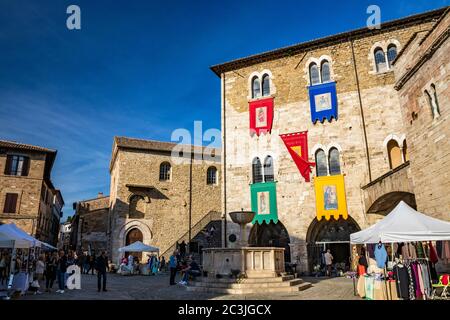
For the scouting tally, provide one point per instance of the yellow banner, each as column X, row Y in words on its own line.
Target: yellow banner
column 330, row 197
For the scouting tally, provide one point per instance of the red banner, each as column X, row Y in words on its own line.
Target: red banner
column 261, row 116
column 297, row 144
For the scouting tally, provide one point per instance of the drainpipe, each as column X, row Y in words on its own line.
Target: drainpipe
column 362, row 111
column 190, row 196
column 224, row 165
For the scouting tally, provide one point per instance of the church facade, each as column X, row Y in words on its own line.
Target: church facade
column 313, row 140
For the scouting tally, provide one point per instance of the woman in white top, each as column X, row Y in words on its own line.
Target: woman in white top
column 40, row 268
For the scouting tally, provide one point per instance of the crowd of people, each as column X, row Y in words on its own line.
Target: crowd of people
column 50, row 267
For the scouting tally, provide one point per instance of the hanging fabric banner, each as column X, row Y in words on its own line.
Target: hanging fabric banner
column 323, row 102
column 264, row 202
column 261, row 116
column 297, row 145
column 330, row 197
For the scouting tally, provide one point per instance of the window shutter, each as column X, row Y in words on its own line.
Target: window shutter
column 26, row 166
column 10, row 203
column 8, row 165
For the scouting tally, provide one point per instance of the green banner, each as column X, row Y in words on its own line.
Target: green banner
column 264, row 202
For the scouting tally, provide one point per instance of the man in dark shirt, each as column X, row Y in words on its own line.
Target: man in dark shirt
column 61, row 269
column 101, row 264
column 192, row 270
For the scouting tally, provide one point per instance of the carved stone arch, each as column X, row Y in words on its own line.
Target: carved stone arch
column 395, row 137
column 331, row 62
column 144, row 196
column 317, row 147
column 136, row 224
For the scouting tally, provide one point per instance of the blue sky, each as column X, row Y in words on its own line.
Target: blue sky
column 140, row 68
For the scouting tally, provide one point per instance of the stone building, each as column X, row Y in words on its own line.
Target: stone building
column 90, row 225
column 422, row 72
column 334, row 104
column 161, row 197
column 27, row 195
column 64, row 236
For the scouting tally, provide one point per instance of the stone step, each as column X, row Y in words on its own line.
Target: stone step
column 296, row 288
column 245, row 285
column 247, row 280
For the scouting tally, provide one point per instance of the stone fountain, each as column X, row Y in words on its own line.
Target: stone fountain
column 245, row 269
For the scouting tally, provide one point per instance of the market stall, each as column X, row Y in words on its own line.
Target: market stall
column 22, row 245
column 401, row 255
column 135, row 247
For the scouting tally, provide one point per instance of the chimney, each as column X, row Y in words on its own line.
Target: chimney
column 100, row 194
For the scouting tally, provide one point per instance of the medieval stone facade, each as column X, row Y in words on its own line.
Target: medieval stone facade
column 423, row 83
column 27, row 195
column 90, row 225
column 160, row 197
column 369, row 135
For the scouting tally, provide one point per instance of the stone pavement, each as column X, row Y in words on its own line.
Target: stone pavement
column 157, row 288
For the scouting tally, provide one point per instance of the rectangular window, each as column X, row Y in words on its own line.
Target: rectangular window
column 17, row 165
column 10, row 203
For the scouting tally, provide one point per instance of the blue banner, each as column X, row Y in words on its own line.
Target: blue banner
column 323, row 102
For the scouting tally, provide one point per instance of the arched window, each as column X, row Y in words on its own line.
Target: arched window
column 164, row 171
column 395, row 155
column 325, row 71
column 405, row 151
column 211, row 175
column 391, row 53
column 334, row 163
column 314, row 74
column 257, row 171
column 380, row 60
column 436, row 102
column 256, row 87
column 321, row 163
column 266, row 85
column 268, row 169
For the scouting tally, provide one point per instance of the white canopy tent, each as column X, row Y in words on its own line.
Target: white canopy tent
column 138, row 247
column 403, row 224
column 13, row 237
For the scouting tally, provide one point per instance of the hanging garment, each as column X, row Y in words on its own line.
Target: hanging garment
column 433, row 254
column 411, row 288
column 412, row 251
column 355, row 258
column 439, row 249
column 402, row 281
column 369, row 283
column 426, row 279
column 417, row 290
column 405, row 251
column 433, row 273
column 446, row 251
column 420, row 251
column 380, row 255
column 421, row 282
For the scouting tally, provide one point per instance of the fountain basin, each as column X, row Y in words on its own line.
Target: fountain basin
column 242, row 217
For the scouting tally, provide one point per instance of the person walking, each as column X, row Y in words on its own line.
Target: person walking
column 162, row 265
column 329, row 262
column 61, row 270
column 50, row 271
column 173, row 264
column 40, row 269
column 91, row 264
column 101, row 265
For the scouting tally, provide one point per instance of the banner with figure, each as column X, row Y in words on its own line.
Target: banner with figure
column 323, row 102
column 297, row 145
column 330, row 197
column 264, row 202
column 261, row 116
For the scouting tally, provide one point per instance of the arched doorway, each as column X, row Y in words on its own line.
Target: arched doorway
column 132, row 236
column 271, row 235
column 333, row 235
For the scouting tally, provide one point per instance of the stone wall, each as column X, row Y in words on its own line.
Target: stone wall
column 164, row 207
column 289, row 82
column 428, row 136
